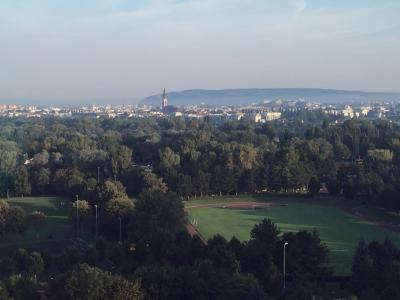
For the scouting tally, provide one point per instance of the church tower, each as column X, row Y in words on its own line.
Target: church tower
column 164, row 100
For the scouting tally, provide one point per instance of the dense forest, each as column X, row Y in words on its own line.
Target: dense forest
column 160, row 162
column 72, row 156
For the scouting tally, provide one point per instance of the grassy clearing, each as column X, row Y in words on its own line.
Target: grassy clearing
column 53, row 235
column 338, row 229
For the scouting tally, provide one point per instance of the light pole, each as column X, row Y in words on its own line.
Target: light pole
column 284, row 264
column 77, row 216
column 120, row 230
column 95, row 206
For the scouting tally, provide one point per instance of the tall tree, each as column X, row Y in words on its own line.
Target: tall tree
column 110, row 190
column 313, row 186
column 37, row 220
column 156, row 209
column 86, row 282
column 22, row 185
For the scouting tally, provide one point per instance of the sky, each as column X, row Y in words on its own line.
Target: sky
column 64, row 50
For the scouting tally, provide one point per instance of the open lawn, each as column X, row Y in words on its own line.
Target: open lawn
column 340, row 231
column 54, row 234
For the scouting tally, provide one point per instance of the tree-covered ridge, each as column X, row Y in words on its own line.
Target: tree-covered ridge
column 248, row 96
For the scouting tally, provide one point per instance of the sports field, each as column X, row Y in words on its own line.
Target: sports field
column 340, row 230
column 55, row 232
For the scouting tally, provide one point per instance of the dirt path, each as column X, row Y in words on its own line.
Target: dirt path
column 379, row 223
column 194, row 232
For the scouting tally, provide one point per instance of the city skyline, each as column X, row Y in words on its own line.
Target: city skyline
column 106, row 49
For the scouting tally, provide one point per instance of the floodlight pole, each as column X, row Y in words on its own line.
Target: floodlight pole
column 77, row 216
column 95, row 206
column 284, row 264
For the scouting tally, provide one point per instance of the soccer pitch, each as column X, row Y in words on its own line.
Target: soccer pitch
column 339, row 230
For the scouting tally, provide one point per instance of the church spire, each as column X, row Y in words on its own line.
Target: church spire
column 164, row 102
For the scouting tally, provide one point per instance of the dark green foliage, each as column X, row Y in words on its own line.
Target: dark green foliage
column 109, row 190
column 156, row 210
column 194, row 157
column 87, row 282
column 11, row 219
column 349, row 189
column 21, row 288
column 15, row 220
column 3, row 292
column 36, row 219
column 306, row 258
column 31, row 264
column 314, row 186
column 221, row 256
column 7, row 267
column 91, row 256
column 390, row 199
column 47, row 258
column 258, row 255
column 20, row 260
column 376, row 271
column 334, row 187
column 202, row 281
column 22, row 185
column 101, row 247
column 34, row 264
column 168, row 160
column 62, row 262
column 265, row 236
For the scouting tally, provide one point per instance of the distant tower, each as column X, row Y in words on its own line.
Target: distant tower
column 164, row 100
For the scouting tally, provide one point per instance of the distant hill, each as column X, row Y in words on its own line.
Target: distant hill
column 247, row 96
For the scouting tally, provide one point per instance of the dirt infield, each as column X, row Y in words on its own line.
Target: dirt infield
column 238, row 205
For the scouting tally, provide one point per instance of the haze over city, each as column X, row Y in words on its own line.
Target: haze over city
column 52, row 51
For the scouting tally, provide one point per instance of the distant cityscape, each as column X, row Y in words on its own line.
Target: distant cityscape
column 261, row 112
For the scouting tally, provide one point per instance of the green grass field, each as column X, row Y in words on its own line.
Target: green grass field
column 53, row 235
column 338, row 229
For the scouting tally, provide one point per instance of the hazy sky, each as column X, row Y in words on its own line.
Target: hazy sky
column 126, row 49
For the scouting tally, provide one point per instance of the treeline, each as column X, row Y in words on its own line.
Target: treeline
column 69, row 156
column 376, row 271
column 21, row 278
